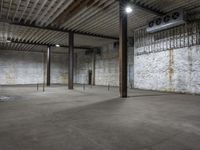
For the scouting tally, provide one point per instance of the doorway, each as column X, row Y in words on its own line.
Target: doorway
column 90, row 77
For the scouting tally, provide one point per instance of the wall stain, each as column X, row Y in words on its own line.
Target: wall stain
column 64, row 78
column 171, row 69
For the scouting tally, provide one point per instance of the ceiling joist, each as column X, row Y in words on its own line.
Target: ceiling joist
column 67, row 31
column 94, row 22
column 49, row 45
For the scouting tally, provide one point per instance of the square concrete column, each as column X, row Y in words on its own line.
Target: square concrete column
column 123, row 49
column 71, row 61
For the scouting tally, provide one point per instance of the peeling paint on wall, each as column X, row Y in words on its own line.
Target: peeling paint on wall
column 171, row 69
column 176, row 70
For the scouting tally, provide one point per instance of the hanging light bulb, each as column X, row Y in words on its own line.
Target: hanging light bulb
column 128, row 9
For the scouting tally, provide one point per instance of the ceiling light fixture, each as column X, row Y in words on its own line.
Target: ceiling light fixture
column 8, row 41
column 57, row 45
column 128, row 9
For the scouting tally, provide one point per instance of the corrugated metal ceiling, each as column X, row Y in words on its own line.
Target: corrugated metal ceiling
column 100, row 17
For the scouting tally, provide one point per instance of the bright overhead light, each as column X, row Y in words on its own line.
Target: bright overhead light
column 57, row 45
column 128, row 9
column 8, row 41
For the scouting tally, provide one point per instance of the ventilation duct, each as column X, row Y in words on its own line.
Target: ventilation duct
column 170, row 20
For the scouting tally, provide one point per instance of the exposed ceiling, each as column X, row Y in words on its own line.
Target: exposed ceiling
column 85, row 16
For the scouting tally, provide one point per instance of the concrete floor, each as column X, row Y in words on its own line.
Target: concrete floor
column 96, row 119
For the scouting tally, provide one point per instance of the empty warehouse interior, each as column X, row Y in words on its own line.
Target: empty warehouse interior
column 99, row 75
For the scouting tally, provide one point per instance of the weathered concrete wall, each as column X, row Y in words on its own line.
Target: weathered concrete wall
column 83, row 65
column 131, row 67
column 28, row 68
column 106, row 68
column 59, row 68
column 175, row 70
column 20, row 68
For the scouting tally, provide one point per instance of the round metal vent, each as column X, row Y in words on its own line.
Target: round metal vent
column 175, row 15
column 151, row 24
column 158, row 21
column 166, row 18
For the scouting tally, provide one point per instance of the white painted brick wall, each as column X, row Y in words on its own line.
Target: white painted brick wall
column 20, row 68
column 59, row 68
column 174, row 70
column 27, row 68
column 107, row 67
column 84, row 63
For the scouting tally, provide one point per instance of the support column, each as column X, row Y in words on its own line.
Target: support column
column 123, row 49
column 71, row 61
column 49, row 66
column 93, row 66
